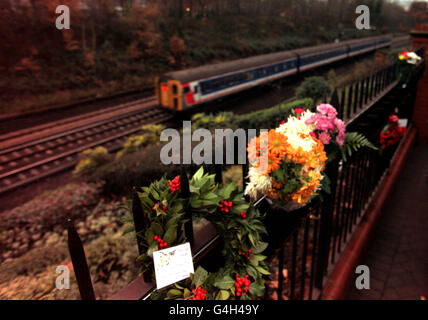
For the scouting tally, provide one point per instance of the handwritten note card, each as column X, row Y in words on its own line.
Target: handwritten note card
column 173, row 264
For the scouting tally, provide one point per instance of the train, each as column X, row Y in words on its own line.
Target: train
column 186, row 89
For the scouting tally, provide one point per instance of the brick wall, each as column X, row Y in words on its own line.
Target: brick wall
column 420, row 115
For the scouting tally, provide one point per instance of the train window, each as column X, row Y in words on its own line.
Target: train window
column 250, row 75
column 196, row 89
column 215, row 84
column 206, row 86
column 174, row 89
column 186, row 90
column 259, row 72
column 230, row 81
column 269, row 70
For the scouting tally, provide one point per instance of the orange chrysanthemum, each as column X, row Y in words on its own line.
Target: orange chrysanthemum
column 277, row 143
column 273, row 164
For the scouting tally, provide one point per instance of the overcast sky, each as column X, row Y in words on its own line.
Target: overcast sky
column 406, row 3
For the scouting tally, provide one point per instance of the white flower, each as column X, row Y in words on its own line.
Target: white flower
column 294, row 128
column 413, row 58
column 258, row 183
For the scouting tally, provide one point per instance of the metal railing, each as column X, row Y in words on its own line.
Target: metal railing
column 305, row 243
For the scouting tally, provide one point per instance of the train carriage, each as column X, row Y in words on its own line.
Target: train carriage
column 181, row 90
column 312, row 57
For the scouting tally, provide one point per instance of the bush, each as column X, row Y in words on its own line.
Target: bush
column 150, row 136
column 133, row 169
column 214, row 121
column 91, row 159
column 315, row 88
column 271, row 117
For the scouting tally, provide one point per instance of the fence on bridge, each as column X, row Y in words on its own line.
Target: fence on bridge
column 316, row 234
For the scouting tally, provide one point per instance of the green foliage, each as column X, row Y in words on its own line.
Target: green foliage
column 333, row 81
column 214, row 121
column 164, row 223
column 239, row 234
column 150, row 136
column 133, row 169
column 90, row 160
column 315, row 88
column 353, row 142
column 271, row 117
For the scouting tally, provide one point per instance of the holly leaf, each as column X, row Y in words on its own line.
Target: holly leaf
column 228, row 190
column 173, row 294
column 260, row 247
column 224, row 283
column 187, row 293
column 200, row 276
column 262, row 270
column 222, row 295
column 171, row 234
column 198, row 175
column 157, row 229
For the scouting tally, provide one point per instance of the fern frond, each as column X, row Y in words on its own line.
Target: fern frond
column 353, row 142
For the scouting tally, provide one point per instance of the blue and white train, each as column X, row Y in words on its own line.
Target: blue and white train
column 181, row 90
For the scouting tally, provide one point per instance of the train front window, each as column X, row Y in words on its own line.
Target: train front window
column 186, row 90
column 174, row 89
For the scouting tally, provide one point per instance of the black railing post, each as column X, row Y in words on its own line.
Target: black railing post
column 355, row 104
column 349, row 106
column 372, row 84
column 366, row 90
column 185, row 193
column 325, row 224
column 80, row 265
column 139, row 219
column 218, row 173
column 377, row 90
column 361, row 97
column 342, row 103
column 334, row 99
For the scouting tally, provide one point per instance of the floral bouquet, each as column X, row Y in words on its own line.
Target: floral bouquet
column 287, row 163
column 405, row 62
column 391, row 133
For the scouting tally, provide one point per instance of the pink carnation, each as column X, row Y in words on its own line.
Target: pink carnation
column 325, row 124
column 327, row 109
column 340, row 125
column 340, row 139
column 312, row 119
column 324, row 137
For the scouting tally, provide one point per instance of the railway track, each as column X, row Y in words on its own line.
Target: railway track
column 28, row 162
